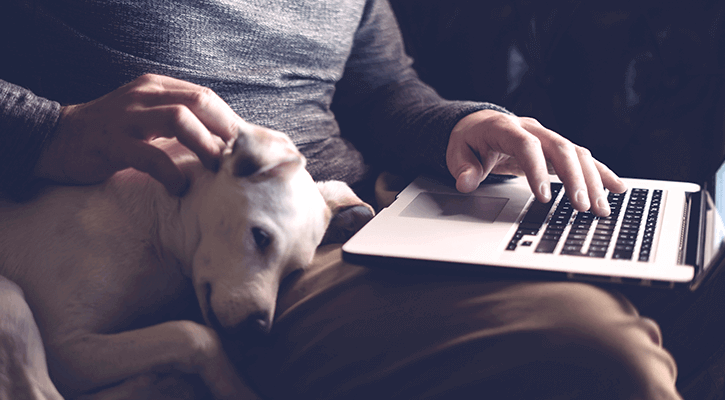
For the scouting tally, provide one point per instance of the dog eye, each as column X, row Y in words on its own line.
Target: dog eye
column 261, row 238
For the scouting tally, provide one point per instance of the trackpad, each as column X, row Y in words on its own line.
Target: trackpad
column 455, row 207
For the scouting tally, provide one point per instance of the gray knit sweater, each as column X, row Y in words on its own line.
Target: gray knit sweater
column 332, row 74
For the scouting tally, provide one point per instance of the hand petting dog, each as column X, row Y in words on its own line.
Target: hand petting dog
column 96, row 139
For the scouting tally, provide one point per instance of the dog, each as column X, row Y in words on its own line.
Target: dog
column 107, row 269
column 23, row 370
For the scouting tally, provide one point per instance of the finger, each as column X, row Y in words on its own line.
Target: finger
column 529, row 155
column 178, row 121
column 563, row 156
column 597, row 194
column 211, row 109
column 154, row 161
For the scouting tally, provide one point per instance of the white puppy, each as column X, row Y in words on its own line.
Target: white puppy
column 23, row 370
column 105, row 269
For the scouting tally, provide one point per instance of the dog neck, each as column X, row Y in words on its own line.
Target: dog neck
column 170, row 220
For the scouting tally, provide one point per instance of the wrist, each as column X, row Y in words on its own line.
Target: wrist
column 50, row 163
column 471, row 120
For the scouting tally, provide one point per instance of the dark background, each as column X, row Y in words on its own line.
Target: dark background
column 640, row 83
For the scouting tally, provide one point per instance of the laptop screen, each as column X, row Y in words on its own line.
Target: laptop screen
column 714, row 209
column 717, row 189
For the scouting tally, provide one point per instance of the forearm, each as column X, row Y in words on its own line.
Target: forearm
column 413, row 138
column 26, row 123
column 397, row 121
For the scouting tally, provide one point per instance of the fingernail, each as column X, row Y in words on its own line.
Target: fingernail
column 545, row 191
column 582, row 198
column 603, row 205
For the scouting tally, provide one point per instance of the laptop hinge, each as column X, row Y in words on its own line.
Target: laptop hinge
column 690, row 246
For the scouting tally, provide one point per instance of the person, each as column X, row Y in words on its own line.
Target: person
column 88, row 84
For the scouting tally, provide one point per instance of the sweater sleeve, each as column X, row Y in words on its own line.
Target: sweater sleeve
column 398, row 122
column 26, row 122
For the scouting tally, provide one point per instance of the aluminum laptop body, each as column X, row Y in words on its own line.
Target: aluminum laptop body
column 661, row 233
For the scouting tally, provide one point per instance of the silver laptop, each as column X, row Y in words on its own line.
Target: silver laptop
column 660, row 233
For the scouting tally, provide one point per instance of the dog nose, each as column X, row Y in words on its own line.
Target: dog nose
column 253, row 329
column 258, row 323
column 255, row 326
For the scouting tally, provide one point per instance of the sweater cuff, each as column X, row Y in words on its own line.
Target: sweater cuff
column 26, row 123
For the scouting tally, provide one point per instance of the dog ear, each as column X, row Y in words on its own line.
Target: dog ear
column 348, row 212
column 262, row 165
column 245, row 162
column 244, row 166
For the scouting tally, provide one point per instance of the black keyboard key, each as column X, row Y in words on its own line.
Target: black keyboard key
column 546, row 246
column 537, row 212
column 534, row 218
column 650, row 225
column 622, row 255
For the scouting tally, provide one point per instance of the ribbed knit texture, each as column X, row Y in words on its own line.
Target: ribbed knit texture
column 278, row 63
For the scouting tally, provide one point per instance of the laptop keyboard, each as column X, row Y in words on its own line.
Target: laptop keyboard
column 621, row 235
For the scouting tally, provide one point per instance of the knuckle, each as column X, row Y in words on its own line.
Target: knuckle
column 177, row 115
column 583, row 152
column 147, row 79
column 527, row 140
column 505, row 120
column 530, row 121
column 138, row 94
column 563, row 146
column 143, row 89
column 202, row 97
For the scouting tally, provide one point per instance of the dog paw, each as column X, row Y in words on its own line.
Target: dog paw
column 346, row 222
column 349, row 213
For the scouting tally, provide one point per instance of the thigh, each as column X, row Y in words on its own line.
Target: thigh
column 345, row 331
column 691, row 324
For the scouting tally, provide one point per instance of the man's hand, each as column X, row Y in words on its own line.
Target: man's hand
column 98, row 138
column 490, row 141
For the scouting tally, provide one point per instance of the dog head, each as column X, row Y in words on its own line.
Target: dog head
column 261, row 218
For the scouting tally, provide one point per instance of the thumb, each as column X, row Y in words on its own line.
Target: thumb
column 464, row 165
column 469, row 178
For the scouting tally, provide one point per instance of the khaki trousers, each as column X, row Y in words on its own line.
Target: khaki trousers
column 349, row 332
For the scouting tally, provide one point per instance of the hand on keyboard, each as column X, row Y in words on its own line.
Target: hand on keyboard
column 491, row 141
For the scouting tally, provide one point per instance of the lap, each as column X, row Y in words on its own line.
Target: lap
column 692, row 328
column 345, row 331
